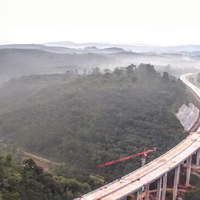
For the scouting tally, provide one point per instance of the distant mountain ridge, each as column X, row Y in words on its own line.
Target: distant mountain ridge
column 136, row 48
column 92, row 47
column 63, row 49
column 39, row 47
column 20, row 62
column 77, row 45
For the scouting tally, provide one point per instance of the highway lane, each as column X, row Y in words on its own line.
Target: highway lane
column 149, row 173
column 153, row 170
column 158, row 172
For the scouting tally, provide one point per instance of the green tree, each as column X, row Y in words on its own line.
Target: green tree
column 165, row 77
column 129, row 69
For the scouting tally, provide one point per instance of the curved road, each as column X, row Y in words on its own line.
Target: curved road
column 147, row 174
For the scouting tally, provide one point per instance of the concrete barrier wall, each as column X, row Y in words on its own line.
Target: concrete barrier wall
column 188, row 116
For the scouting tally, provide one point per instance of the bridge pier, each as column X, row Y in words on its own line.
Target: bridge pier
column 189, row 161
column 159, row 183
column 147, row 192
column 164, row 186
column 198, row 157
column 176, row 181
column 135, row 196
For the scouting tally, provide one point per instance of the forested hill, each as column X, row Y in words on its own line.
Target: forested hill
column 87, row 120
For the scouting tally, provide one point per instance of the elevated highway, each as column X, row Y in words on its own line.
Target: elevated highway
column 157, row 170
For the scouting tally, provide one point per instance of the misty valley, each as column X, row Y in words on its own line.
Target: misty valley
column 82, row 107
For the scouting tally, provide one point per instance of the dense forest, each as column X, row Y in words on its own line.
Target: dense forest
column 86, row 120
column 27, row 181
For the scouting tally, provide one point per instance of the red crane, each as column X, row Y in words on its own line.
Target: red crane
column 144, row 154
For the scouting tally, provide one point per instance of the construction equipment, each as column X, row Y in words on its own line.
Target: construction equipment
column 144, row 154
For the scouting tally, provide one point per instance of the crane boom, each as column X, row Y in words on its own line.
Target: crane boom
column 144, row 153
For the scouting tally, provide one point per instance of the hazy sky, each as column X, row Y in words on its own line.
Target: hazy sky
column 165, row 22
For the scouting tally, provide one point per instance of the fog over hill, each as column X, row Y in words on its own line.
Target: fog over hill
column 20, row 62
column 28, row 59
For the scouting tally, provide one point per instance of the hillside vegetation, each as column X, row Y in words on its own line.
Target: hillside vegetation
column 27, row 181
column 85, row 121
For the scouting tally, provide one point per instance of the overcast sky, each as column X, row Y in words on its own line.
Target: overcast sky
column 162, row 22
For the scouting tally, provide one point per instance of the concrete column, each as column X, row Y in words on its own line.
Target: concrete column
column 164, row 186
column 147, row 192
column 143, row 160
column 198, row 157
column 189, row 161
column 159, row 182
column 137, row 195
column 176, row 180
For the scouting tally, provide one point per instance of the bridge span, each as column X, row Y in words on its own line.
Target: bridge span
column 157, row 170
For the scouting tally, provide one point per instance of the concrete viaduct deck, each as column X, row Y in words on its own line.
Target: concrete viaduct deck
column 157, row 170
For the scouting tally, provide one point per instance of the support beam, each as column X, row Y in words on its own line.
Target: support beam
column 147, row 192
column 189, row 161
column 176, row 181
column 164, row 186
column 159, row 182
column 198, row 157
